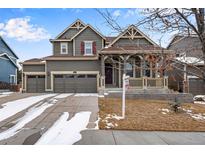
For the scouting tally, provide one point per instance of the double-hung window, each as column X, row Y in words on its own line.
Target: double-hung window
column 88, row 48
column 64, row 48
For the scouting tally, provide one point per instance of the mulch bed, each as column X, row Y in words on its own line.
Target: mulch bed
column 144, row 115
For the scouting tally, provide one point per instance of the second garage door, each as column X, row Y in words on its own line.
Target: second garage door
column 78, row 83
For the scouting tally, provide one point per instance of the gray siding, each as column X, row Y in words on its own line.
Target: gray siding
column 34, row 68
column 130, row 42
column 71, row 66
column 7, row 69
column 69, row 33
column 57, row 49
column 87, row 35
column 189, row 45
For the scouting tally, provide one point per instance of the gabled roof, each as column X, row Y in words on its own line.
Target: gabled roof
column 9, row 47
column 178, row 38
column 88, row 26
column 71, row 25
column 137, row 31
column 175, row 39
column 6, row 55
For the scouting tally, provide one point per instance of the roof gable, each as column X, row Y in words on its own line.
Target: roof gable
column 4, row 48
column 89, row 26
column 132, row 32
column 72, row 29
column 5, row 55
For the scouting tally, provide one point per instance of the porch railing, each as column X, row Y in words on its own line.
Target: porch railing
column 148, row 83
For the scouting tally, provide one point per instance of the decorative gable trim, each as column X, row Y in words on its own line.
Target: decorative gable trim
column 132, row 32
column 5, row 54
column 88, row 26
column 76, row 24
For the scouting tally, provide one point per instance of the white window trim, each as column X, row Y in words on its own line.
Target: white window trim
column 90, row 54
column 14, row 77
column 66, row 44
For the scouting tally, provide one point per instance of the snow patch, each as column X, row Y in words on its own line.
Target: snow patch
column 190, row 60
column 32, row 113
column 64, row 131
column 196, row 116
column 63, row 95
column 101, row 96
column 4, row 94
column 199, row 102
column 199, row 98
column 86, row 94
column 164, row 111
column 11, row 108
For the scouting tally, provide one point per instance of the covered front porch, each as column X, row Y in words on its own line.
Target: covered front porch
column 143, row 73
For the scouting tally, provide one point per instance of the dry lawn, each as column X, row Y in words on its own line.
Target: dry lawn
column 148, row 115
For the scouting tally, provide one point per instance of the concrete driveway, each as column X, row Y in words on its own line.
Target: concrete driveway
column 32, row 131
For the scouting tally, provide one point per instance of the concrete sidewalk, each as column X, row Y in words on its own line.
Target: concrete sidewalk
column 111, row 137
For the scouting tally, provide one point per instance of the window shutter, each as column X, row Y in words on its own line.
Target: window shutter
column 82, row 48
column 94, row 47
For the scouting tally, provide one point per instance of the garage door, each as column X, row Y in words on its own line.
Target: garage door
column 196, row 86
column 36, row 83
column 78, row 83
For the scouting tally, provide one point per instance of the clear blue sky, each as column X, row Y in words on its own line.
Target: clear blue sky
column 28, row 31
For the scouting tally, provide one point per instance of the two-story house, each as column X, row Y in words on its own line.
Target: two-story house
column 8, row 63
column 85, row 61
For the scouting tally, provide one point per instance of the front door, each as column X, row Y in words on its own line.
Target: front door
column 108, row 73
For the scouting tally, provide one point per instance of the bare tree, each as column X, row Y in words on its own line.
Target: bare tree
column 182, row 21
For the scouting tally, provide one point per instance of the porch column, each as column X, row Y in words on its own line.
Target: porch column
column 143, row 67
column 119, row 72
column 124, row 65
column 102, row 79
column 134, row 68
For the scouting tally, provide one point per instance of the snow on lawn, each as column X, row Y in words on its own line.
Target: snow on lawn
column 4, row 94
column 86, row 94
column 32, row 113
column 164, row 111
column 199, row 116
column 66, row 131
column 11, row 108
column 63, row 95
column 199, row 98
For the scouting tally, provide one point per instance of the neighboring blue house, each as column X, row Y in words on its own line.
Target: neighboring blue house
column 8, row 63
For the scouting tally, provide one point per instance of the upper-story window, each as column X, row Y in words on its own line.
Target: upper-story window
column 88, row 48
column 64, row 48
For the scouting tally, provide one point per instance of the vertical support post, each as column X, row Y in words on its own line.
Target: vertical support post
column 123, row 96
column 119, row 72
column 151, row 69
column 124, row 65
column 134, row 71
column 102, row 72
column 185, row 79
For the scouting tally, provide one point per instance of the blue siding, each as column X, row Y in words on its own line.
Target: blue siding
column 4, row 49
column 6, row 69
